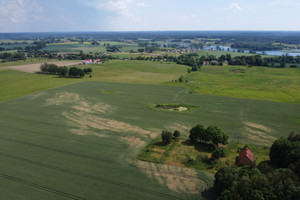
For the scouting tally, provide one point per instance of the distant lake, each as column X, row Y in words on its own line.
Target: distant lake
column 294, row 52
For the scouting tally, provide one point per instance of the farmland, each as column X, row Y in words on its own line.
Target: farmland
column 79, row 138
column 89, row 137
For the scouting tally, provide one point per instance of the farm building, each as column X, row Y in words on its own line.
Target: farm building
column 96, row 61
column 213, row 62
column 246, row 157
column 87, row 61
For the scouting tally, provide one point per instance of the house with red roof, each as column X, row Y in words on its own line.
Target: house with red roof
column 87, row 61
column 246, row 157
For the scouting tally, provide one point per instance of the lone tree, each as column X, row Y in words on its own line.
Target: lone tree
column 216, row 135
column 166, row 137
column 176, row 134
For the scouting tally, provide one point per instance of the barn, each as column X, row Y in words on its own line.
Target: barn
column 246, row 157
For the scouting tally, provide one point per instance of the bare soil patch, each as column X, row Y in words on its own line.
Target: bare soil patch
column 177, row 179
column 32, row 68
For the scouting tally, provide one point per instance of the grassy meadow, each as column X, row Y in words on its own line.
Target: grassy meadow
column 281, row 85
column 183, row 153
column 15, row 84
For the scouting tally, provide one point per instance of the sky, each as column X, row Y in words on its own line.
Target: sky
column 148, row 15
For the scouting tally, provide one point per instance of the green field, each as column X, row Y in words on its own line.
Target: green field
column 15, row 84
column 64, row 138
column 87, row 48
column 80, row 141
column 282, row 85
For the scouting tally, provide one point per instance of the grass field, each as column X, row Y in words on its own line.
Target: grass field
column 15, row 84
column 282, row 85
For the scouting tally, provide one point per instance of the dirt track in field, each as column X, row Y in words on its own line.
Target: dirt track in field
column 32, row 68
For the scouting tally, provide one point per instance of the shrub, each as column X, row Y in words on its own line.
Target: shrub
column 176, row 134
column 166, row 137
column 218, row 153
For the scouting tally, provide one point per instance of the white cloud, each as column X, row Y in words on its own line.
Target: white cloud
column 19, row 11
column 141, row 4
column 121, row 7
column 235, row 7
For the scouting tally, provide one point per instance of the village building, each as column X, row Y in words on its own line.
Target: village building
column 87, row 61
column 213, row 62
column 246, row 157
column 96, row 61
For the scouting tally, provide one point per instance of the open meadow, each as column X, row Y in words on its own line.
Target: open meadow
column 65, row 138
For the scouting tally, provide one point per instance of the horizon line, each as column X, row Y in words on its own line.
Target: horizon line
column 153, row 31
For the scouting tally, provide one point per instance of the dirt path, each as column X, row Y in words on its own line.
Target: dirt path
column 31, row 68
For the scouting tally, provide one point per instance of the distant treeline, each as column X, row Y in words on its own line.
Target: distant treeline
column 224, row 36
column 7, row 57
column 195, row 61
column 256, row 46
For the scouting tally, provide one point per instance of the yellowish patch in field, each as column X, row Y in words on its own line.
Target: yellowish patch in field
column 259, row 133
column 36, row 95
column 182, row 180
column 88, row 117
column 258, row 126
column 31, row 68
column 63, row 98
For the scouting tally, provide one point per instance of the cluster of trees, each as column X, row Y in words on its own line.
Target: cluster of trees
column 193, row 60
column 256, row 46
column 258, row 60
column 113, row 48
column 211, row 134
column 286, row 152
column 277, row 179
column 64, row 71
column 6, row 57
column 53, row 69
column 167, row 136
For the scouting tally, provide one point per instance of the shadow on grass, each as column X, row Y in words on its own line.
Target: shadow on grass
column 201, row 147
column 161, row 144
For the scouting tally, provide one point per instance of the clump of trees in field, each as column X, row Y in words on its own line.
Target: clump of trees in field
column 211, row 134
column 167, row 136
column 277, row 179
column 73, row 72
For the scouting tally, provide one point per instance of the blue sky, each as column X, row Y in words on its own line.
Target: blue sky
column 147, row 15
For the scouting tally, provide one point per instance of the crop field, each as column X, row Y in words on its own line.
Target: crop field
column 65, row 138
column 80, row 141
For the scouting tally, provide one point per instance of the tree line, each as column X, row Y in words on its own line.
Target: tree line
column 73, row 72
column 7, row 57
